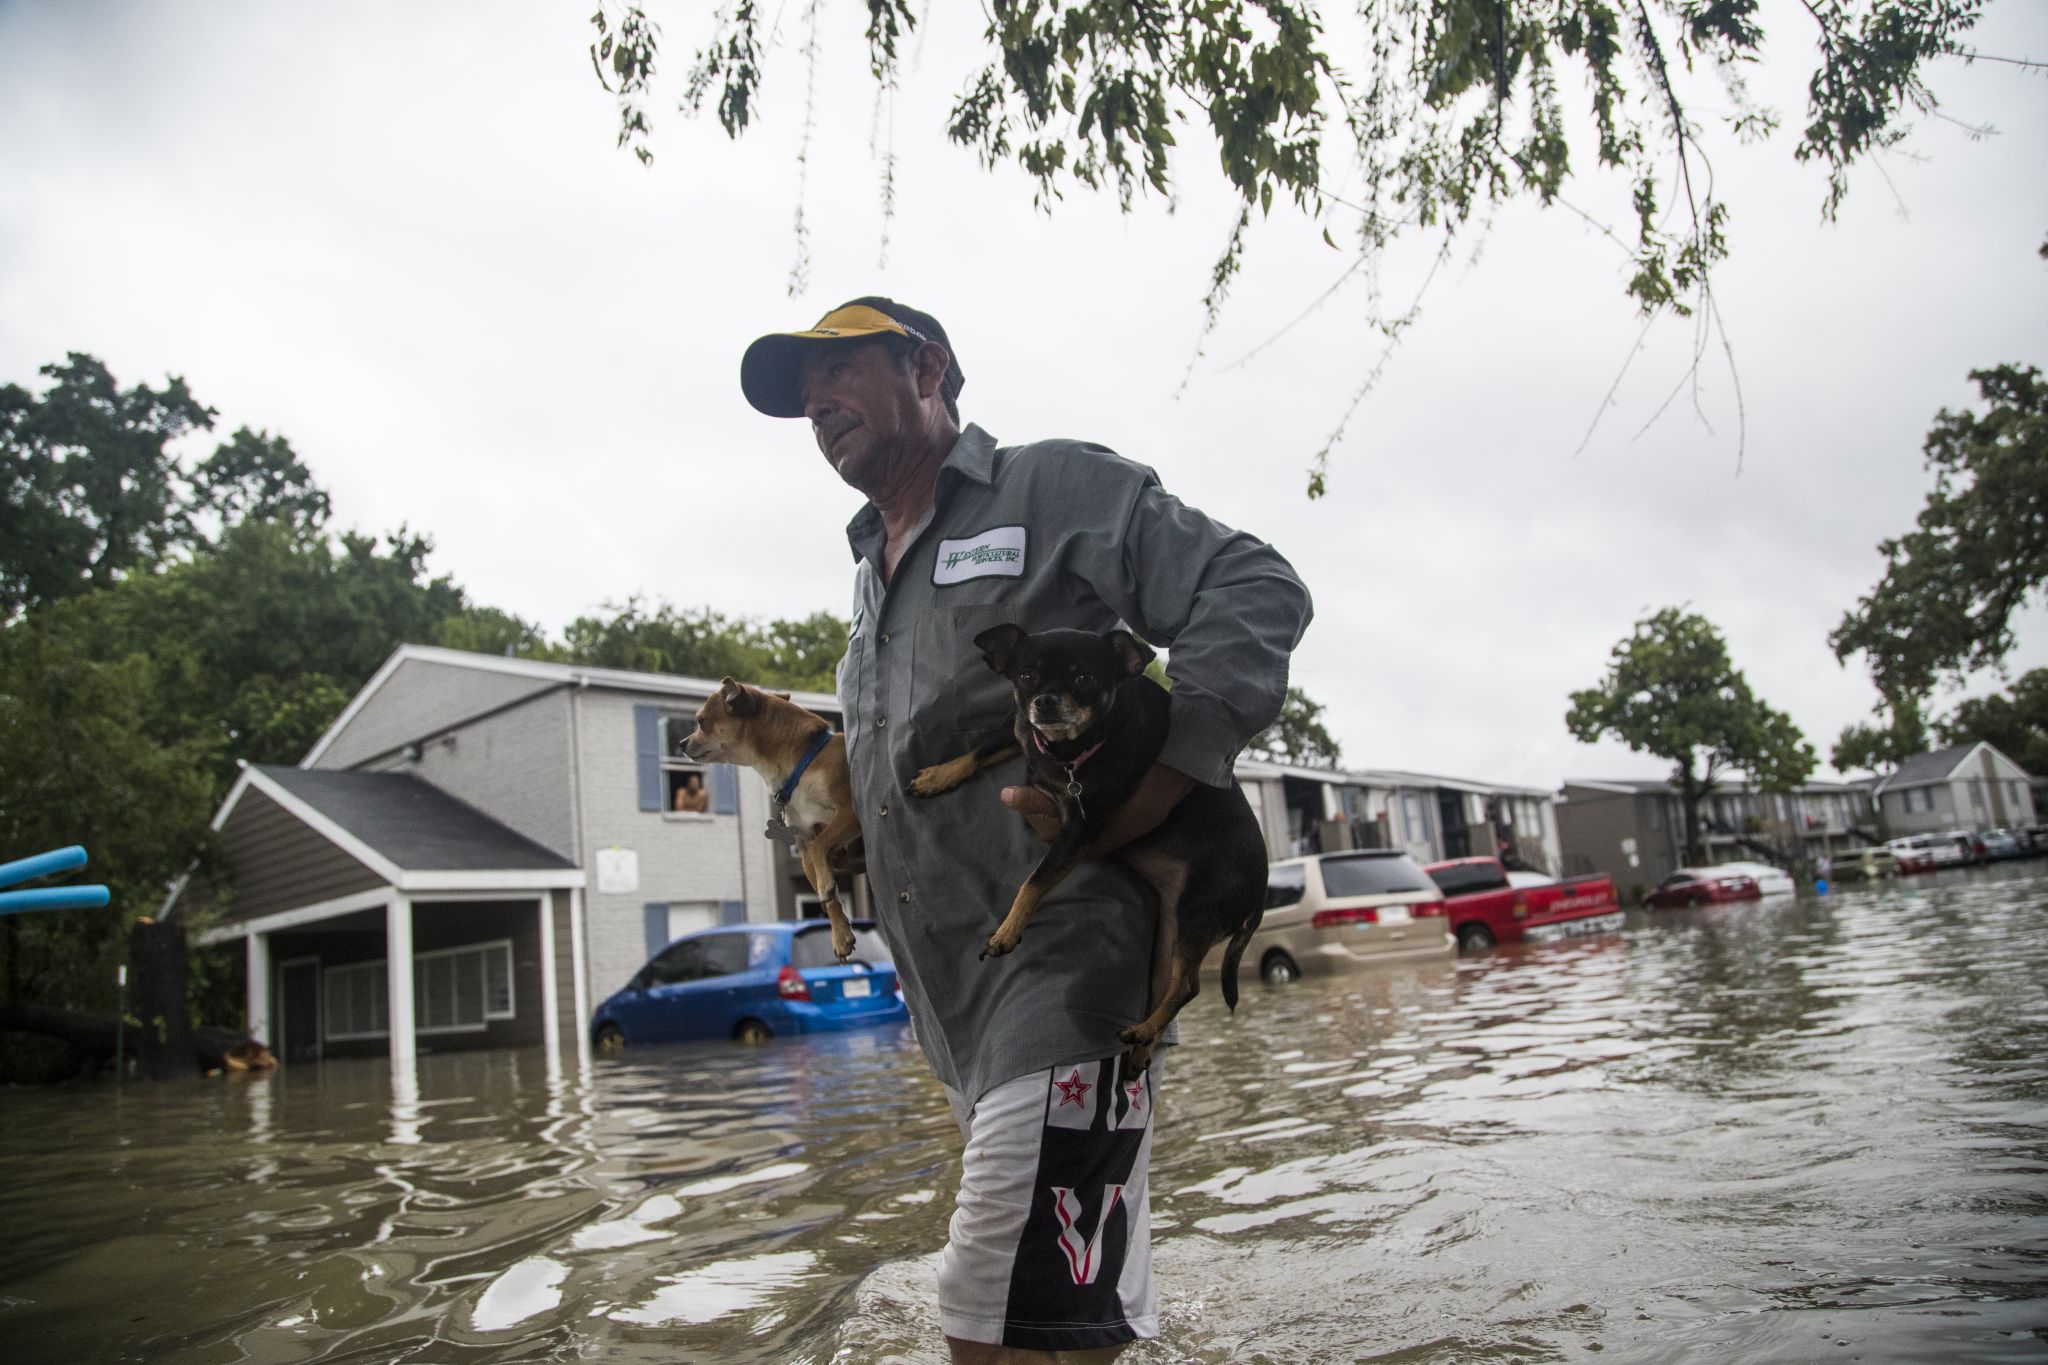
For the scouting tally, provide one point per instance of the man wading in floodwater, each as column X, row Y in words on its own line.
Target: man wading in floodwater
column 1049, row 1254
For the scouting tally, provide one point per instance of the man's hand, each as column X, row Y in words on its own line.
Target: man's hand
column 1158, row 792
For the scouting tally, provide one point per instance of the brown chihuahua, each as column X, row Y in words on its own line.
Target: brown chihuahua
column 804, row 764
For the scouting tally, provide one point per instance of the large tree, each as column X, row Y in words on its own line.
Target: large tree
column 1977, row 554
column 1671, row 690
column 1436, row 110
column 91, row 488
column 1298, row 735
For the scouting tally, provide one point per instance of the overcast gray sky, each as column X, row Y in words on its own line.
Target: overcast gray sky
column 401, row 236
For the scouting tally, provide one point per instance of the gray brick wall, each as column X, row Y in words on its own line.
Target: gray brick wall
column 422, row 696
column 683, row 858
column 513, row 765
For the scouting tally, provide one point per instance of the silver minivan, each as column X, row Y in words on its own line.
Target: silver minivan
column 1335, row 912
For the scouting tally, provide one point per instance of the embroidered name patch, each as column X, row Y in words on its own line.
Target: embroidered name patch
column 992, row 554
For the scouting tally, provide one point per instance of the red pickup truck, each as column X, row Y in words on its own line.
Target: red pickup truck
column 1484, row 907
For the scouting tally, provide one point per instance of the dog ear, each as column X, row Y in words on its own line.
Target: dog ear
column 739, row 699
column 785, row 696
column 1132, row 652
column 997, row 644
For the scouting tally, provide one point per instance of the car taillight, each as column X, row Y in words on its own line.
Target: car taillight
column 1521, row 908
column 1424, row 909
column 1330, row 919
column 790, row 985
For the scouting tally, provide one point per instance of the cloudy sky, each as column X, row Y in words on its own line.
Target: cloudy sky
column 401, row 236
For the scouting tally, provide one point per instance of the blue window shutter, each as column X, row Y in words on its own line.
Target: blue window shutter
column 657, row 926
column 732, row 912
column 725, row 789
column 647, row 749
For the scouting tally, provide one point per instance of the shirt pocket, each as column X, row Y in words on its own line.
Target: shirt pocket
column 853, row 684
column 957, row 700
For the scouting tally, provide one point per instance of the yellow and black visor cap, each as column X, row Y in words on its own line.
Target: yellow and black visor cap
column 769, row 370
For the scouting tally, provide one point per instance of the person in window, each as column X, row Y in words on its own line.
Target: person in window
column 691, row 796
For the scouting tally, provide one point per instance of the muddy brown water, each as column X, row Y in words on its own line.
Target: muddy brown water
column 1792, row 1131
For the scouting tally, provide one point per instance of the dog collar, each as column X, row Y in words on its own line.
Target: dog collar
column 788, row 788
column 1039, row 740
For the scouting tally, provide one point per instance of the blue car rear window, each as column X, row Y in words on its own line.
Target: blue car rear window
column 813, row 948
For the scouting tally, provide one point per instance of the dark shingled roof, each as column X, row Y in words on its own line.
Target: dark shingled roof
column 1921, row 769
column 415, row 824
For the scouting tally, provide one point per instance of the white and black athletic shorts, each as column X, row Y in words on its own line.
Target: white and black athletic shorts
column 1051, row 1242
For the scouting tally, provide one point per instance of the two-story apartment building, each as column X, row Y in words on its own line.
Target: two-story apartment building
column 1970, row 786
column 478, row 849
column 1428, row 816
column 1634, row 829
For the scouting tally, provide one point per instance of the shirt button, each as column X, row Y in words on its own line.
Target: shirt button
column 885, row 810
column 885, row 637
column 903, row 896
column 881, row 722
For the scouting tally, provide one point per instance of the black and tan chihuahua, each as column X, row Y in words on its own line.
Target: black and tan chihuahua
column 1090, row 725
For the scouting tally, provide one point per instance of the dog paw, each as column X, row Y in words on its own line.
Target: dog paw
column 1000, row 943
column 1136, row 1060
column 930, row 782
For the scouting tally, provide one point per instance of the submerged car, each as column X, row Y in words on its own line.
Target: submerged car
column 2000, row 844
column 753, row 982
column 1770, row 881
column 1863, row 864
column 1701, row 886
column 1924, row 852
column 1337, row 912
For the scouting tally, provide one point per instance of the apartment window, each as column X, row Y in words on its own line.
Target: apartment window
column 678, row 791
column 1413, row 828
column 1656, row 815
column 455, row 990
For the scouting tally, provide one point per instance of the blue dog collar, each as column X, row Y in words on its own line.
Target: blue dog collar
column 789, row 788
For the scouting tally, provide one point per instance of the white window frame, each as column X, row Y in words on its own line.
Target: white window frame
column 328, row 993
column 489, row 1015
column 677, row 764
column 377, row 968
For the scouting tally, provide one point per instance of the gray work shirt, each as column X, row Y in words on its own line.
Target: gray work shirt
column 1057, row 533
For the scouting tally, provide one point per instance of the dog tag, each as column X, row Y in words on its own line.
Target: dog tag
column 778, row 830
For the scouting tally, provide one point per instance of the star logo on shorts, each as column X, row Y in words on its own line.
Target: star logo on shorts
column 1073, row 1090
column 1136, row 1090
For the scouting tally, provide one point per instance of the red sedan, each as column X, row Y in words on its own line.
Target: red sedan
column 1691, row 886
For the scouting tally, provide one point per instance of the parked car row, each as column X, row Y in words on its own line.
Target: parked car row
column 1956, row 847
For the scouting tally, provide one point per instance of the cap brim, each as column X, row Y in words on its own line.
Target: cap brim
column 771, row 370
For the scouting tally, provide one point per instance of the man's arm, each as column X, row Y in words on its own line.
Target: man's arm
column 1227, row 605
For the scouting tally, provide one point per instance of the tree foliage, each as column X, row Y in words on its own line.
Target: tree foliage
column 1438, row 109
column 1298, row 735
column 1978, row 553
column 1672, row 691
column 2014, row 722
column 704, row 643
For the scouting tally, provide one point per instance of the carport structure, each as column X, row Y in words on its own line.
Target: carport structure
column 378, row 913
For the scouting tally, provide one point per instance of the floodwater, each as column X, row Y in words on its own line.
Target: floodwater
column 1790, row 1131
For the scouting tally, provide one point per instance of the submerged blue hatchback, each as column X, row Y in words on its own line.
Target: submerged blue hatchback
column 752, row 982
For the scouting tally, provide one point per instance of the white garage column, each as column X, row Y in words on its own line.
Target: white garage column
column 398, row 985
column 259, row 988
column 550, row 985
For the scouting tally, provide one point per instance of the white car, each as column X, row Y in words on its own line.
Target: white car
column 1772, row 881
column 1927, row 850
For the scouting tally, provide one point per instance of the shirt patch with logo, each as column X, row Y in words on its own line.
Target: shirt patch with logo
column 998, row 553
